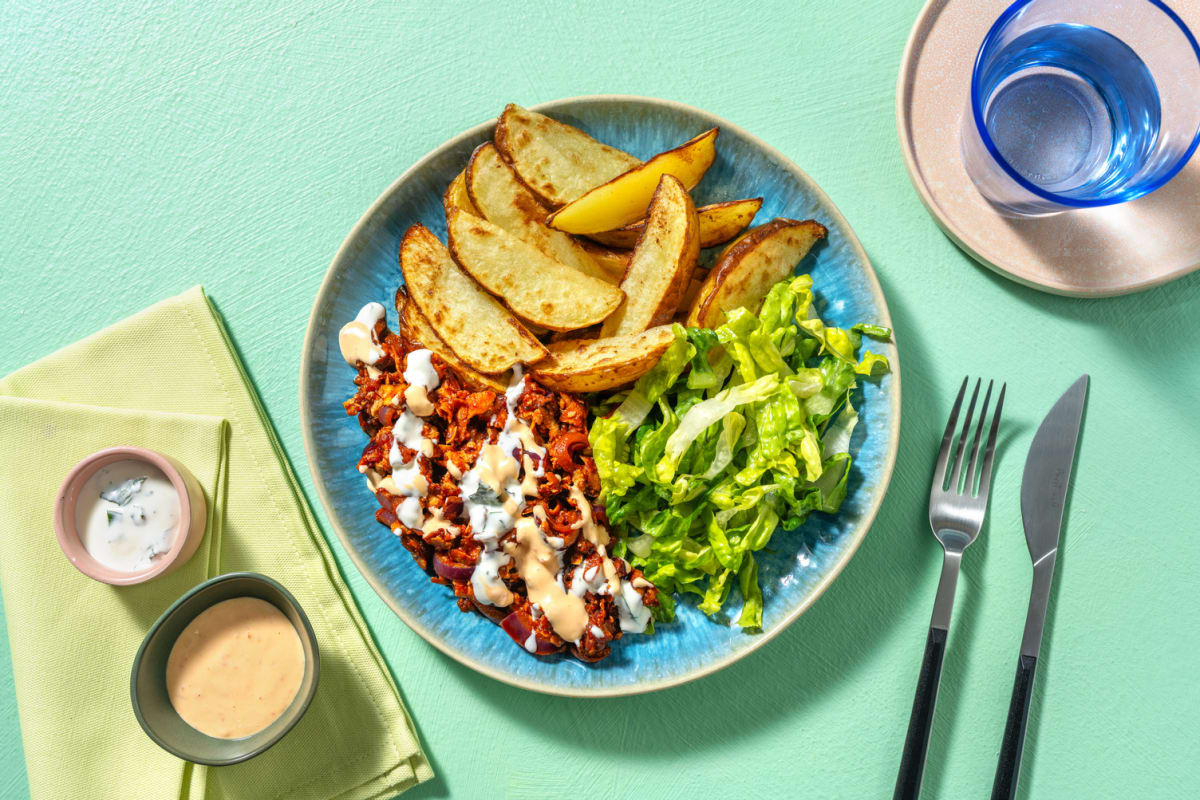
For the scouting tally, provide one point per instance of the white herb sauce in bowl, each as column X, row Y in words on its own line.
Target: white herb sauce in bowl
column 127, row 515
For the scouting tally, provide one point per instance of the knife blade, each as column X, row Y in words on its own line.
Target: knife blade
column 1044, row 497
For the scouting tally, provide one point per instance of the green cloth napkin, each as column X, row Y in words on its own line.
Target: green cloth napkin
column 168, row 379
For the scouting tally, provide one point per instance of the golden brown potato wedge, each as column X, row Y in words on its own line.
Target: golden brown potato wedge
column 501, row 199
column 750, row 266
column 625, row 198
column 719, row 222
column 558, row 162
column 623, row 237
column 472, row 323
column 592, row 365
column 662, row 263
column 614, row 263
column 692, row 290
column 533, row 285
column 416, row 329
column 456, row 195
column 590, row 332
column 729, row 246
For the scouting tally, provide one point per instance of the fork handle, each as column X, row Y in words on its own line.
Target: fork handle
column 912, row 762
column 1008, row 768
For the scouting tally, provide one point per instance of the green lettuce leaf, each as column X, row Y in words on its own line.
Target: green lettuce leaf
column 872, row 365
column 752, row 599
column 874, row 331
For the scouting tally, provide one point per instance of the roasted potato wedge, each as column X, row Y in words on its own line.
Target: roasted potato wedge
column 662, row 263
column 623, row 237
column 533, row 285
column 472, row 323
column 499, row 197
column 592, row 365
column 415, row 328
column 614, row 263
column 750, row 266
column 719, row 222
column 456, row 196
column 692, row 291
column 625, row 198
column 590, row 332
column 558, row 162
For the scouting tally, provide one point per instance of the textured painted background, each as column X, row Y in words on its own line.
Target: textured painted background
column 145, row 149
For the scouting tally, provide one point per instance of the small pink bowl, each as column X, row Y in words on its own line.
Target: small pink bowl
column 192, row 515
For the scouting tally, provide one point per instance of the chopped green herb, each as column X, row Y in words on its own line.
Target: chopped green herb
column 484, row 495
column 121, row 495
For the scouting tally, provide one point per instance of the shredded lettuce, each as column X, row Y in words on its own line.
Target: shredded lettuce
column 734, row 433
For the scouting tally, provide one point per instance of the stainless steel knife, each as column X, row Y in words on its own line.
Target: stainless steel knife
column 1043, row 499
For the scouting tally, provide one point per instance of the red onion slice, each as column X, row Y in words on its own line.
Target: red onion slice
column 519, row 628
column 451, row 571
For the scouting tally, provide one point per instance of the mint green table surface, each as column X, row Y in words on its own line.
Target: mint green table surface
column 145, row 149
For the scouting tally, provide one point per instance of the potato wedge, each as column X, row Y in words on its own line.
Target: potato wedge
column 472, row 323
column 625, row 198
column 558, row 162
column 692, row 290
column 734, row 243
column 501, row 199
column 590, row 332
column 592, row 365
column 750, row 266
column 662, row 263
column 416, row 329
column 533, row 285
column 456, row 195
column 614, row 263
column 719, row 222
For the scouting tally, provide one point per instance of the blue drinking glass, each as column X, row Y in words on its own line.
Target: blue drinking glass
column 1081, row 103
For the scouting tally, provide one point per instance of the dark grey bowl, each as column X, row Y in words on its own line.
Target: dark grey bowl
column 148, row 681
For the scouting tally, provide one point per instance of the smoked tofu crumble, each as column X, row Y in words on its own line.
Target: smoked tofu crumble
column 493, row 493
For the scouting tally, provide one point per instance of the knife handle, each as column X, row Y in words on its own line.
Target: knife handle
column 912, row 762
column 1008, row 769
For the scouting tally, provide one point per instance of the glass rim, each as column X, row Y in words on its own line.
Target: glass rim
column 981, row 128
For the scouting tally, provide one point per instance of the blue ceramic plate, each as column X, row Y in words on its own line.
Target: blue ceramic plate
column 796, row 568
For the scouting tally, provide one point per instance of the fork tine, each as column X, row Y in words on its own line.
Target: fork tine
column 939, row 470
column 962, row 439
column 973, row 461
column 985, row 477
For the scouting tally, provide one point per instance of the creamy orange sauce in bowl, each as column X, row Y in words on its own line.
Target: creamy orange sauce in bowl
column 235, row 668
column 227, row 671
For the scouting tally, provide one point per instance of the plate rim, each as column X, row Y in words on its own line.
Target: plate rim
column 344, row 251
column 905, row 80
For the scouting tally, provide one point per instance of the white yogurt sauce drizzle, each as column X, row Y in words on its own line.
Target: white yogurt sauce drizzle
column 406, row 479
column 357, row 339
column 422, row 379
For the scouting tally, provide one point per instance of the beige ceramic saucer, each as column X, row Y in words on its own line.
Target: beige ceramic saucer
column 1086, row 252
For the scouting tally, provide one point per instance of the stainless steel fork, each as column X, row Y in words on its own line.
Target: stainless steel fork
column 956, row 512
